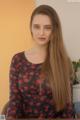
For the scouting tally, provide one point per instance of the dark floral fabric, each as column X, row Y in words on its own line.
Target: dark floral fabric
column 30, row 96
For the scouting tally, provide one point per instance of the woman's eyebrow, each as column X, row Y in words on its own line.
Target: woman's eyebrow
column 48, row 25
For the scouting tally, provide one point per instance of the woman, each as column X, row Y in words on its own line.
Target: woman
column 40, row 79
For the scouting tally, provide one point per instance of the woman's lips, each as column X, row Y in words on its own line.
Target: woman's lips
column 42, row 38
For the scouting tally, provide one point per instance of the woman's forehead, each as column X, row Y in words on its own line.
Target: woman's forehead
column 40, row 19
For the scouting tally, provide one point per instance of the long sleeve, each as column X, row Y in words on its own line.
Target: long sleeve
column 69, row 110
column 15, row 106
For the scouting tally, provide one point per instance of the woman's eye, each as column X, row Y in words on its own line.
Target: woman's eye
column 36, row 27
column 48, row 28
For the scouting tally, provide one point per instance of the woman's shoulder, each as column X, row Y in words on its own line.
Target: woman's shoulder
column 18, row 56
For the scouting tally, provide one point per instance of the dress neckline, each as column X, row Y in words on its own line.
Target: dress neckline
column 26, row 58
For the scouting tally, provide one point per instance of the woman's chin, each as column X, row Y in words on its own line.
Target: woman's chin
column 42, row 42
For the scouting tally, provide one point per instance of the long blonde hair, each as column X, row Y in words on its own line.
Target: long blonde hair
column 57, row 65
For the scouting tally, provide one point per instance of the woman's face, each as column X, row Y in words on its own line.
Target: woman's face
column 41, row 29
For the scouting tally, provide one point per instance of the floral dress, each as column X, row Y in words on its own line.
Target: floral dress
column 27, row 98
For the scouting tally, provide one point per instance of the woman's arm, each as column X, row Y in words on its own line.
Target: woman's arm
column 69, row 110
column 15, row 106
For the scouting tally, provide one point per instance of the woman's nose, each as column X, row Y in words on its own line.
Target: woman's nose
column 41, row 31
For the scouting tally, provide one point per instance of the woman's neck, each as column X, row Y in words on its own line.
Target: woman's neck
column 41, row 48
column 37, row 54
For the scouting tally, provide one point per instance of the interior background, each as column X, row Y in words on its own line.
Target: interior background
column 15, row 34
